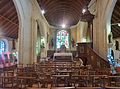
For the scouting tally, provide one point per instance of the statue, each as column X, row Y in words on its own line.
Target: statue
column 51, row 43
column 73, row 42
column 110, row 38
column 116, row 45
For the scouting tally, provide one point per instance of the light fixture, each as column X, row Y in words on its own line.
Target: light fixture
column 118, row 24
column 84, row 10
column 63, row 25
column 43, row 12
column 86, row 16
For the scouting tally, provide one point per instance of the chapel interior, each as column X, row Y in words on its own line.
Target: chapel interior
column 59, row 44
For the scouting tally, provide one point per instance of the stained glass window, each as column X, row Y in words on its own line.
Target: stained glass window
column 2, row 46
column 62, row 39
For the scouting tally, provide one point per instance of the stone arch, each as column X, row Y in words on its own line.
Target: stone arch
column 108, row 15
column 27, row 31
column 28, row 14
column 107, row 25
column 101, row 25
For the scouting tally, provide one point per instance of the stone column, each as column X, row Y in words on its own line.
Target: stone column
column 101, row 25
column 24, row 10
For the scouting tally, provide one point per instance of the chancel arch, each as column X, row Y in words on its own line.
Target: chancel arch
column 101, row 25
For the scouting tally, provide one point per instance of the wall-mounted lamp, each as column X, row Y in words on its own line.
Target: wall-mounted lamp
column 116, row 24
column 43, row 12
column 84, row 10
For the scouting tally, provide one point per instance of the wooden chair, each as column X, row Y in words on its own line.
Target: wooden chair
column 8, row 79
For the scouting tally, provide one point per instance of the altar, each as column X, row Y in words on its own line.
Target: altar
column 61, row 56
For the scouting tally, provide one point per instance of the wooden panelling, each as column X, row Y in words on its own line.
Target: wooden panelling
column 116, row 19
column 8, row 19
column 63, row 11
column 90, row 57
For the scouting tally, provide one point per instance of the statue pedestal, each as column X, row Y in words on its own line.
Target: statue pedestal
column 110, row 45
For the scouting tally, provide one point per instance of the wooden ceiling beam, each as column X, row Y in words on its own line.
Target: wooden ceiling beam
column 8, row 15
column 14, row 34
column 11, row 30
column 115, row 19
column 115, row 34
column 64, row 5
column 65, row 9
column 14, row 19
column 14, row 30
column 69, row 9
column 55, row 20
column 117, row 14
column 8, row 20
column 5, row 8
column 117, row 29
column 12, row 15
column 3, row 2
column 114, row 29
column 8, row 11
column 7, row 26
column 58, row 13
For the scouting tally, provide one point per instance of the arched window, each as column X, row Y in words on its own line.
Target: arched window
column 62, row 39
column 2, row 46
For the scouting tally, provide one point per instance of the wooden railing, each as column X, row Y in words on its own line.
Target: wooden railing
column 86, row 53
column 95, row 60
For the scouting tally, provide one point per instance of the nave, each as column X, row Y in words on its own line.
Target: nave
column 57, row 75
column 31, row 29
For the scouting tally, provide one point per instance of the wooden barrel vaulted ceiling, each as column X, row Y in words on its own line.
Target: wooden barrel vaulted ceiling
column 56, row 12
column 116, row 20
column 63, row 11
column 8, row 19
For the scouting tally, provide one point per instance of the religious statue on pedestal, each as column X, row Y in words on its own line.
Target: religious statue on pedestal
column 110, row 37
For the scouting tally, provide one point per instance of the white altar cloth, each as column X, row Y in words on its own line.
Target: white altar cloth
column 63, row 55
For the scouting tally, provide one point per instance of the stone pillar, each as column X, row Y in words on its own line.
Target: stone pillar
column 101, row 25
column 24, row 10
